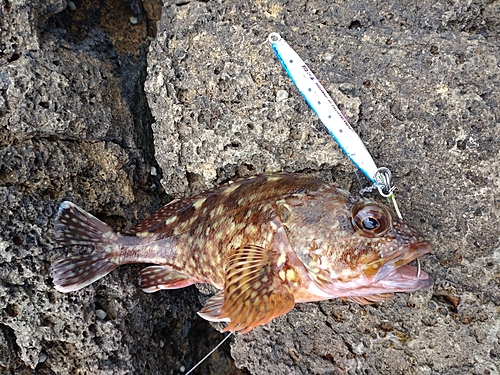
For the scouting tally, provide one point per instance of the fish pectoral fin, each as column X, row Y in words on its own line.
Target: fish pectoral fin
column 212, row 310
column 154, row 278
column 368, row 300
column 253, row 292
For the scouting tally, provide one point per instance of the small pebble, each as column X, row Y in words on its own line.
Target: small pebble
column 281, row 95
column 162, row 344
column 182, row 369
column 71, row 5
column 153, row 171
column 42, row 357
column 100, row 314
column 134, row 20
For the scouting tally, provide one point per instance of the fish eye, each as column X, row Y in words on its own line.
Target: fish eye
column 370, row 223
column 371, row 218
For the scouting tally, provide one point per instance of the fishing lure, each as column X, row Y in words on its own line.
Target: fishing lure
column 330, row 115
column 337, row 125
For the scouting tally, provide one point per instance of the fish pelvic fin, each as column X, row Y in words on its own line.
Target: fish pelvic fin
column 212, row 310
column 253, row 292
column 74, row 226
column 154, row 278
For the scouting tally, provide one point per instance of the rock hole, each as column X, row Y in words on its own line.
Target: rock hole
column 12, row 310
column 18, row 240
column 354, row 25
column 14, row 57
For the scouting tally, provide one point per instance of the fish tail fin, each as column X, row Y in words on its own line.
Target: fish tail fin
column 76, row 272
column 74, row 226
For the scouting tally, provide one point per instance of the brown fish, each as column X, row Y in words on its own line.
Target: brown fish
column 267, row 242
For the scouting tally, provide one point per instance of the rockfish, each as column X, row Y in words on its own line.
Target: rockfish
column 267, row 242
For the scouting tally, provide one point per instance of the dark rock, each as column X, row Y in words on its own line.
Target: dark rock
column 74, row 124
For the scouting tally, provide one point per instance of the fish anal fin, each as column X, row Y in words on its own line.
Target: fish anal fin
column 212, row 310
column 369, row 299
column 253, row 292
column 154, row 278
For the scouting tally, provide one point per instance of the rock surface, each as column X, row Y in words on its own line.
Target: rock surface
column 75, row 125
column 418, row 81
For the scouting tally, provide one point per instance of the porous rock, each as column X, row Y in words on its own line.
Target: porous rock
column 74, row 125
column 419, row 82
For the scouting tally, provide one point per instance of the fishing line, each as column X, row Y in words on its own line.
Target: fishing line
column 209, row 354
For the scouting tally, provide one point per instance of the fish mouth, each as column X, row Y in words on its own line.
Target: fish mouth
column 397, row 275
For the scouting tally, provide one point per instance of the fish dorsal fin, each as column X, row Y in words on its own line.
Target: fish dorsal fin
column 370, row 299
column 253, row 292
column 159, row 217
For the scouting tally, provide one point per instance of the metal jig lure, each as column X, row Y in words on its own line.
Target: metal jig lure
column 335, row 122
column 337, row 125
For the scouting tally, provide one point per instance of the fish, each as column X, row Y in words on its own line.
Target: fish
column 266, row 243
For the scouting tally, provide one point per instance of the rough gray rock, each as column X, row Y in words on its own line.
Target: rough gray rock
column 74, row 124
column 419, row 82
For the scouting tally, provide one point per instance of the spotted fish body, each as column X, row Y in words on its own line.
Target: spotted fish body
column 266, row 242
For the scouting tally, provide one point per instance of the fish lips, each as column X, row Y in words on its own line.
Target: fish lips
column 397, row 276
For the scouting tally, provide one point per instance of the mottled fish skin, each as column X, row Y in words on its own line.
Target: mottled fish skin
column 267, row 242
column 208, row 227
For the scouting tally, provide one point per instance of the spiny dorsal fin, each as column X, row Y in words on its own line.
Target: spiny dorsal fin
column 254, row 294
